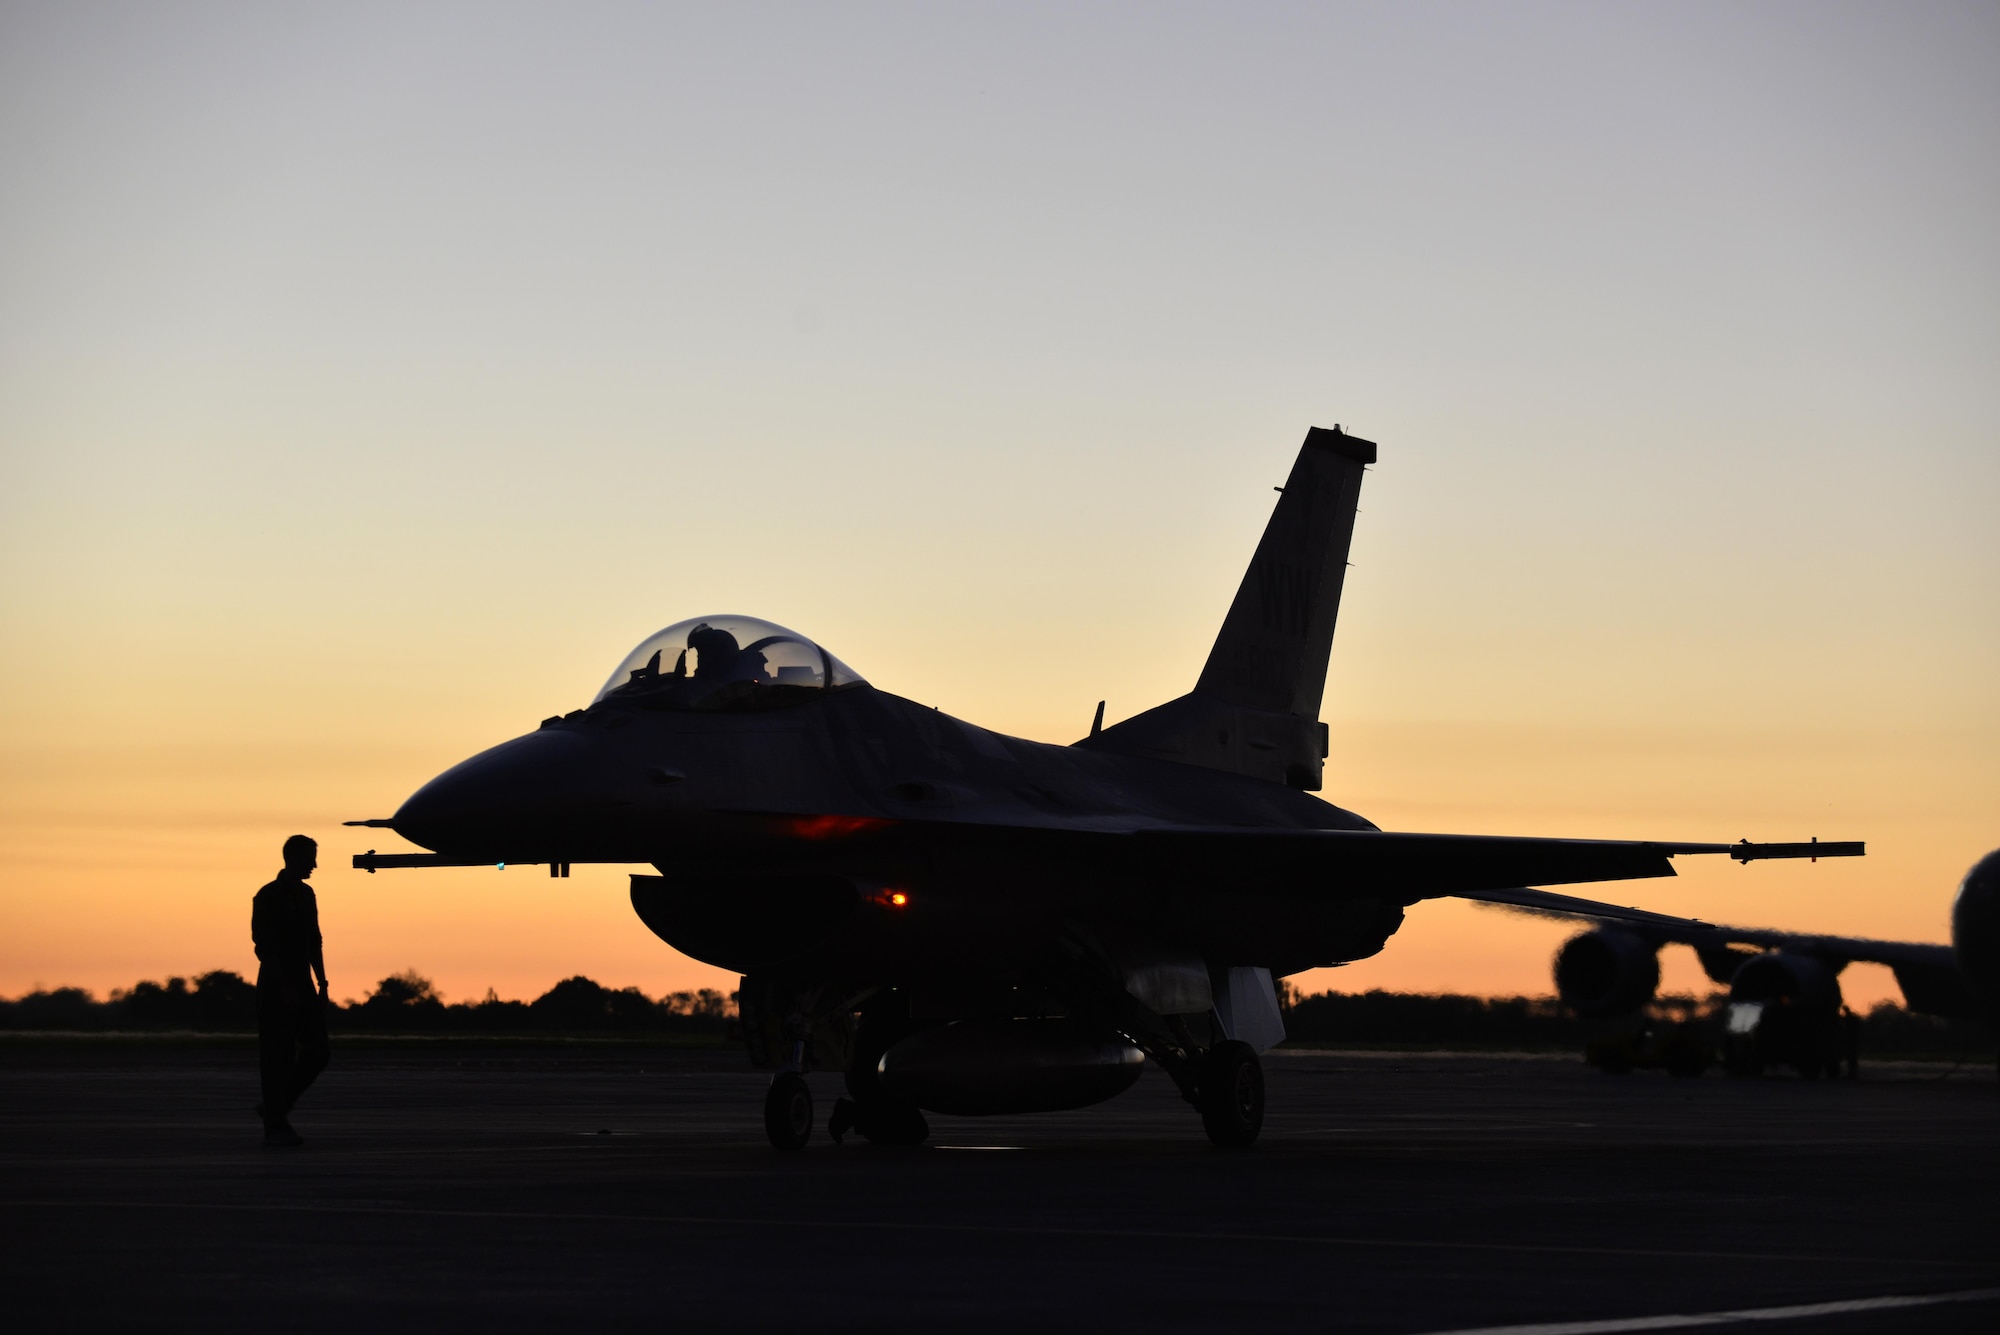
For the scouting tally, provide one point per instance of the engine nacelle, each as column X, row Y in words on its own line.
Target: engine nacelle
column 977, row 1068
column 1607, row 972
column 1784, row 1009
column 1801, row 982
column 1975, row 931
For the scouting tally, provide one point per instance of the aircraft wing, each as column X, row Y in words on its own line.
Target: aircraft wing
column 1549, row 904
column 1477, row 867
column 1427, row 866
column 1695, row 932
column 1499, row 870
column 1928, row 974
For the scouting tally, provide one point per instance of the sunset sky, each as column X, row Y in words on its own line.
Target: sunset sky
column 373, row 377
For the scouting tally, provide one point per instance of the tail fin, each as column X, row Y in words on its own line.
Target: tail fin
column 1274, row 644
column 1255, row 708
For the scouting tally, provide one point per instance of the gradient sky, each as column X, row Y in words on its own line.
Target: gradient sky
column 373, row 377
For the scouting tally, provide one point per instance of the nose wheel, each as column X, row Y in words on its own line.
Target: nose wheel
column 788, row 1111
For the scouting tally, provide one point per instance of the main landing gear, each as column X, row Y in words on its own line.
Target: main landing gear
column 1231, row 1094
column 1220, row 1076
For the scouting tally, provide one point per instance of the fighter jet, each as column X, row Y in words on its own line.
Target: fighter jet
column 970, row 923
column 1784, row 1006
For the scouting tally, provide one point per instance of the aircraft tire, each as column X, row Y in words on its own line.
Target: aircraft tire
column 788, row 1111
column 1232, row 1095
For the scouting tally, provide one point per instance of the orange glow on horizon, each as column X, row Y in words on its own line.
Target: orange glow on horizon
column 140, row 863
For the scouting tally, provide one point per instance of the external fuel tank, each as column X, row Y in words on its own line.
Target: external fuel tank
column 977, row 1068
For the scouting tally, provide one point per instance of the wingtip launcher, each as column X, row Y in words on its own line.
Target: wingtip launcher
column 372, row 862
column 1814, row 849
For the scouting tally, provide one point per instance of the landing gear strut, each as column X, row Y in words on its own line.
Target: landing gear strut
column 1232, row 1094
column 788, row 1111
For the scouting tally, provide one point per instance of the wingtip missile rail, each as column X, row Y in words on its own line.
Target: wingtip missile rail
column 372, row 862
column 1814, row 849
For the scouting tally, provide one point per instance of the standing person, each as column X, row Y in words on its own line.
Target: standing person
column 291, row 1019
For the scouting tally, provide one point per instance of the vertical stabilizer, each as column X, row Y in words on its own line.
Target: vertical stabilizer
column 1274, row 644
column 1255, row 710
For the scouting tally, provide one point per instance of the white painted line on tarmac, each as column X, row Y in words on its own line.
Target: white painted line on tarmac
column 1681, row 1321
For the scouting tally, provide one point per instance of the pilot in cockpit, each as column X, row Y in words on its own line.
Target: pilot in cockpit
column 725, row 663
column 718, row 658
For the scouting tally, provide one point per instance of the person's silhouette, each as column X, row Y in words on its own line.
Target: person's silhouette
column 716, row 652
column 291, row 1021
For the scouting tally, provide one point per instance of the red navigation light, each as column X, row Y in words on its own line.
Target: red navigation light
column 898, row 898
column 831, row 827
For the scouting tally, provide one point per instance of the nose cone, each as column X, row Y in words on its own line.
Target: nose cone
column 543, row 797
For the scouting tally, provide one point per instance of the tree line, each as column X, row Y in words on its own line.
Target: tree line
column 223, row 1002
column 1409, row 1020
column 220, row 1001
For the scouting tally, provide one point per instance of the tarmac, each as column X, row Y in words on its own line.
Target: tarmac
column 501, row 1186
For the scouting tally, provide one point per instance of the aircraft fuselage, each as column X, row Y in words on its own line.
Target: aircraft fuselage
column 992, row 842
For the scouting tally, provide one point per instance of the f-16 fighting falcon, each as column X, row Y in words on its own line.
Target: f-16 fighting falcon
column 969, row 923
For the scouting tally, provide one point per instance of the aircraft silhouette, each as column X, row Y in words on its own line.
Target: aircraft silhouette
column 1784, row 1006
column 965, row 922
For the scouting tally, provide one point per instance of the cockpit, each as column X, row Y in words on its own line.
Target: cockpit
column 725, row 663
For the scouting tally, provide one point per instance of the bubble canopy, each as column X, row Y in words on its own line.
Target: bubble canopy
column 725, row 663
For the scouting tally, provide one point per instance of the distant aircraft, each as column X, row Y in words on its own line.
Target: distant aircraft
column 970, row 923
column 1784, row 1004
